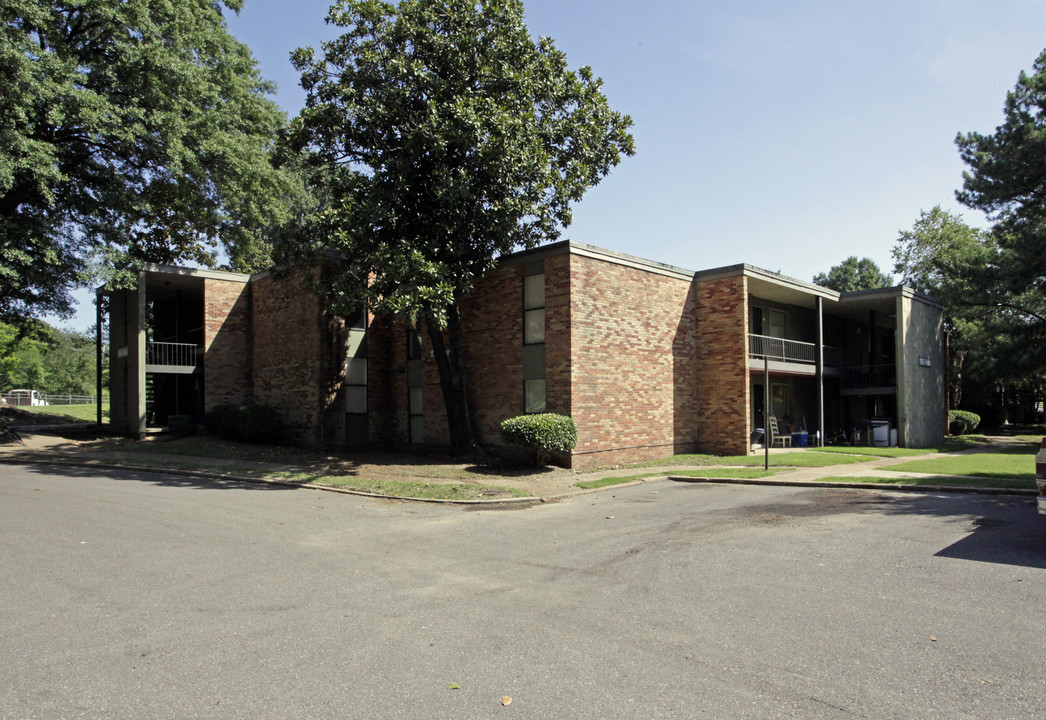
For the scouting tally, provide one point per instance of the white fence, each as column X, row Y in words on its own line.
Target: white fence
column 20, row 399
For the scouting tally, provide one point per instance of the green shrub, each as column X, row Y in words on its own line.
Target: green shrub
column 545, row 434
column 259, row 424
column 961, row 422
column 181, row 425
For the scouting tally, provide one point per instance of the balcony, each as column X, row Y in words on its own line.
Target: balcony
column 790, row 351
column 167, row 357
column 869, row 379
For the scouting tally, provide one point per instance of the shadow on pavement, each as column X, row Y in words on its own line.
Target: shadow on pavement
column 162, row 477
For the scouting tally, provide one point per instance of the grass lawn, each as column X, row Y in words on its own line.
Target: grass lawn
column 68, row 413
column 1012, row 463
column 874, row 452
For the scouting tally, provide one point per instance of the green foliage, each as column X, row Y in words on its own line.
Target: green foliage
column 443, row 137
column 961, row 422
column 53, row 361
column 259, row 424
column 853, row 274
column 130, row 131
column 957, row 264
column 181, row 425
column 546, row 433
column 1007, row 180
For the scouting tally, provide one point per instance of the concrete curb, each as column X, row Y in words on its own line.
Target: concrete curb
column 37, row 458
column 858, row 486
column 49, row 458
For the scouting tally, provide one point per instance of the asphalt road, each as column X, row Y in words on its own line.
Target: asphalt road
column 128, row 595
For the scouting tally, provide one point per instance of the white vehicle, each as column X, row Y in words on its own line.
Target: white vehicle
column 22, row 398
column 1040, row 475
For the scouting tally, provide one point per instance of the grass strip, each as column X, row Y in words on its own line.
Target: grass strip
column 406, row 488
column 739, row 473
column 936, row 481
column 793, row 459
column 729, row 473
column 608, row 481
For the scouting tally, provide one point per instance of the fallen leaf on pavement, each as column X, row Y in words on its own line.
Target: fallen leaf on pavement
column 455, row 686
column 506, row 700
column 933, row 638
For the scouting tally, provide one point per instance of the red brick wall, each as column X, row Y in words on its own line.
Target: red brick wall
column 492, row 324
column 387, row 382
column 225, row 338
column 298, row 359
column 632, row 353
column 557, row 334
column 723, row 388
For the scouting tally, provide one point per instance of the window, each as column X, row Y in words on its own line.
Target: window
column 534, row 309
column 415, row 389
column 777, row 323
column 357, row 425
column 534, row 340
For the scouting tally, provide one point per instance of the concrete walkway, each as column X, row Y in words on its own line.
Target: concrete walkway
column 38, row 445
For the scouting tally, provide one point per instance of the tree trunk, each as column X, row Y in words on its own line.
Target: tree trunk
column 450, row 360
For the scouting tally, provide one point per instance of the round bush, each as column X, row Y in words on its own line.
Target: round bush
column 545, row 434
column 961, row 422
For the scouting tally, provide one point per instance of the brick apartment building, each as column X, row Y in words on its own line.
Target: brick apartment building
column 648, row 359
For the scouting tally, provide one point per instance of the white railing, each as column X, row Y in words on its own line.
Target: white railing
column 773, row 348
column 171, row 354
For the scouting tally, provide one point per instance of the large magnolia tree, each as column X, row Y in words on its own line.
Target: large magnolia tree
column 444, row 137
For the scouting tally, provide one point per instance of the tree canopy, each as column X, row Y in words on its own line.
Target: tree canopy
column 130, row 131
column 445, row 137
column 48, row 359
column 853, row 274
column 1007, row 180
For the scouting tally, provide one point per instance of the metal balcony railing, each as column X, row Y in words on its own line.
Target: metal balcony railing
column 773, row 348
column 171, row 354
column 870, row 376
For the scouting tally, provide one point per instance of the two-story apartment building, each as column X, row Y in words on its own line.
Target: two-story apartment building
column 648, row 359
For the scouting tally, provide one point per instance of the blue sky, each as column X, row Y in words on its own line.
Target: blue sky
column 787, row 135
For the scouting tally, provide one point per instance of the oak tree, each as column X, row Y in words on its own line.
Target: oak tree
column 853, row 274
column 130, row 132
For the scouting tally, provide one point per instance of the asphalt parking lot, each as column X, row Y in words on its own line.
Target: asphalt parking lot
column 129, row 594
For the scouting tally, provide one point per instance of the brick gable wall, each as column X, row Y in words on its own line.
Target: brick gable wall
column 632, row 361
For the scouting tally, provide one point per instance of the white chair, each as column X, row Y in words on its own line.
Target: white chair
column 776, row 437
